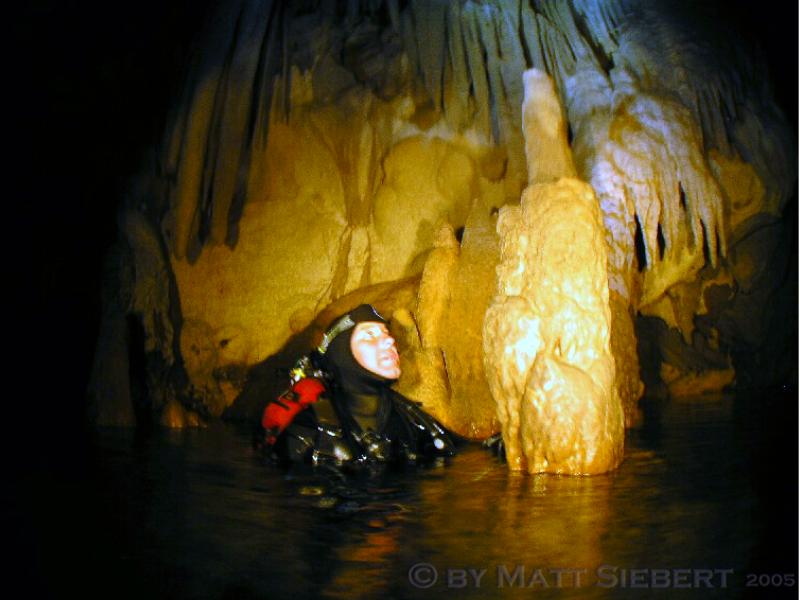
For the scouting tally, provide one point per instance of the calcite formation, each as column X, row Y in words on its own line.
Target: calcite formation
column 547, row 332
column 326, row 217
column 547, row 335
column 456, row 286
column 662, row 123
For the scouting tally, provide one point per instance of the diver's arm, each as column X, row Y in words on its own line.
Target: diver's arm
column 432, row 439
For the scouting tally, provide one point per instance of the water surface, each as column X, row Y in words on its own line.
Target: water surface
column 706, row 496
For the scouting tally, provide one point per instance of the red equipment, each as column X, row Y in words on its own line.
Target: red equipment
column 281, row 412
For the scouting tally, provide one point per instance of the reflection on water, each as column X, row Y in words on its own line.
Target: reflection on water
column 197, row 514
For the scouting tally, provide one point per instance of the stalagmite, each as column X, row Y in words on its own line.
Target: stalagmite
column 455, row 289
column 546, row 335
column 547, row 330
column 547, row 153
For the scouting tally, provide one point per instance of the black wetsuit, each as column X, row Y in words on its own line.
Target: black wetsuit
column 361, row 419
column 354, row 429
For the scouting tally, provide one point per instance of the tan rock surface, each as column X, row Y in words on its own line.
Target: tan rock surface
column 546, row 335
column 457, row 284
column 427, row 182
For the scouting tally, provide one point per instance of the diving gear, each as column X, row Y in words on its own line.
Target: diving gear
column 280, row 413
column 326, row 433
column 339, row 413
column 306, row 367
column 341, row 325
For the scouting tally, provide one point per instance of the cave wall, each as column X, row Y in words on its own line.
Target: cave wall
column 323, row 147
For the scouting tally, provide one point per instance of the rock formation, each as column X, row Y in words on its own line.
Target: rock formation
column 322, row 148
column 547, row 330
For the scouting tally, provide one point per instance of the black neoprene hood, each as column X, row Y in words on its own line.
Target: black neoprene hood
column 339, row 359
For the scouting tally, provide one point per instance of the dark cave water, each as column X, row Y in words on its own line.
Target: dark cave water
column 706, row 496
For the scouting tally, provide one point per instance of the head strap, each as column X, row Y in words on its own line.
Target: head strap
column 343, row 324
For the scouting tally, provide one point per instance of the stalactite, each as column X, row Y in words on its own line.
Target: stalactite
column 489, row 41
column 430, row 18
column 512, row 62
column 559, row 60
column 234, row 115
column 530, row 37
column 409, row 37
column 269, row 62
column 477, row 70
column 603, row 18
column 218, row 126
column 257, row 127
column 456, row 93
column 190, row 170
column 394, row 14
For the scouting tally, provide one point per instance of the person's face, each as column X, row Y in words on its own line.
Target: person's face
column 374, row 349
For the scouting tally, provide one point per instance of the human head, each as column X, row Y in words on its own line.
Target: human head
column 358, row 347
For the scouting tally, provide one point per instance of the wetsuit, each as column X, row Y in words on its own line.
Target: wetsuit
column 359, row 419
column 347, row 430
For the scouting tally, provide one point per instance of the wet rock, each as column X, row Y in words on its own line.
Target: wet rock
column 695, row 383
column 427, row 182
column 110, row 398
column 546, row 335
column 456, row 286
column 626, row 358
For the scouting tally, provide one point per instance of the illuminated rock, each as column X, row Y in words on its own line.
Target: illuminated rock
column 744, row 191
column 111, row 401
column 139, row 305
column 350, row 195
column 426, row 182
column 625, row 351
column 241, row 304
column 456, row 286
column 546, row 335
column 546, row 147
column 177, row 416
